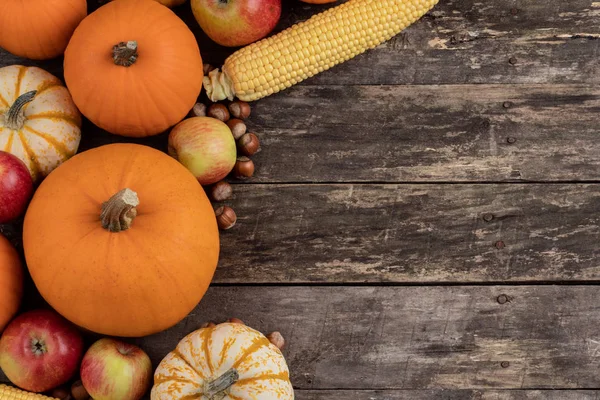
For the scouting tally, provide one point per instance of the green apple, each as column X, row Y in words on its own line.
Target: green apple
column 205, row 146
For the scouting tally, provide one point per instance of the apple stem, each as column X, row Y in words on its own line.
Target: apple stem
column 125, row 53
column 119, row 211
column 218, row 86
column 221, row 384
column 15, row 117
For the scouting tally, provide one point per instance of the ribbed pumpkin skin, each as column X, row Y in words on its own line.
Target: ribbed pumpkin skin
column 39, row 29
column 154, row 93
column 52, row 129
column 206, row 354
column 170, row 3
column 11, row 282
column 135, row 282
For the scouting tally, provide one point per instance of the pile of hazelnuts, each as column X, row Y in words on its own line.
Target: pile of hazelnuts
column 233, row 114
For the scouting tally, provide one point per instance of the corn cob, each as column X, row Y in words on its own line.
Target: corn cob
column 11, row 393
column 315, row 45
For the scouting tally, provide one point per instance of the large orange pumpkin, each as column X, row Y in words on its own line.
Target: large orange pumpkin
column 133, row 68
column 121, row 240
column 11, row 282
column 170, row 3
column 39, row 29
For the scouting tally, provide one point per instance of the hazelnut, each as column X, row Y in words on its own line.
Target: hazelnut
column 199, row 110
column 226, row 217
column 207, row 68
column 220, row 191
column 243, row 168
column 276, row 339
column 78, row 391
column 239, row 109
column 237, row 126
column 249, row 144
column 218, row 111
column 62, row 393
column 208, row 325
column 236, row 321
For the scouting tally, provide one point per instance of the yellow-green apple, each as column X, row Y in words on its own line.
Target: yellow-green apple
column 40, row 350
column 16, row 187
column 205, row 146
column 115, row 370
column 236, row 22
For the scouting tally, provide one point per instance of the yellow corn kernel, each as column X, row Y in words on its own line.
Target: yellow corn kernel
column 11, row 393
column 312, row 46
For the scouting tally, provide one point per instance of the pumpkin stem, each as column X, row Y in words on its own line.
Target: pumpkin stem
column 119, row 211
column 15, row 117
column 125, row 53
column 218, row 86
column 221, row 384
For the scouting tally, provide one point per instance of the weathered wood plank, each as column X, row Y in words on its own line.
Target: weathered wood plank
column 378, row 338
column 447, row 395
column 429, row 133
column 412, row 233
column 460, row 41
column 467, row 41
column 416, row 337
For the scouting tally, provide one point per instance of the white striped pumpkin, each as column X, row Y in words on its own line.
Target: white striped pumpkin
column 229, row 361
column 39, row 123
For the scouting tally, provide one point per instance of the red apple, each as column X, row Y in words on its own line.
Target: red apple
column 115, row 370
column 16, row 187
column 40, row 350
column 205, row 146
column 236, row 22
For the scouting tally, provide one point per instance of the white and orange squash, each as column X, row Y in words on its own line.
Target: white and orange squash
column 229, row 361
column 39, row 123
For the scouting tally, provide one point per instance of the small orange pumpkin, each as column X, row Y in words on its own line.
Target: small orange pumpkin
column 39, row 29
column 38, row 121
column 133, row 68
column 225, row 361
column 121, row 240
column 11, row 282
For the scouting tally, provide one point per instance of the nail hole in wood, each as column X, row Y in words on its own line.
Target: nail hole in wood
column 503, row 299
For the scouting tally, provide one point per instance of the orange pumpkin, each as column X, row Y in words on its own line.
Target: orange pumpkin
column 39, row 29
column 133, row 68
column 170, row 3
column 121, row 240
column 11, row 282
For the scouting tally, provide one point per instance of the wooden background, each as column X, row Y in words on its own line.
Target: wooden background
column 423, row 223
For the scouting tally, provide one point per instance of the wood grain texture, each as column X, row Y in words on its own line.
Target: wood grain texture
column 467, row 41
column 543, row 337
column 412, row 233
column 425, row 338
column 447, row 395
column 429, row 133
